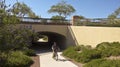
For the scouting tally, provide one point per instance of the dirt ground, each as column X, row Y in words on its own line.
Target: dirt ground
column 36, row 61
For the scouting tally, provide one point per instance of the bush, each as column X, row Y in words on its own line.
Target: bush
column 3, row 58
column 85, row 55
column 82, row 48
column 78, row 48
column 70, row 52
column 106, row 45
column 110, row 52
column 17, row 59
column 103, row 63
column 29, row 52
column 103, row 45
column 109, row 49
column 88, row 55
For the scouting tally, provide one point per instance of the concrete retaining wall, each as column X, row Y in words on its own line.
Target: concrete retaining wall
column 94, row 35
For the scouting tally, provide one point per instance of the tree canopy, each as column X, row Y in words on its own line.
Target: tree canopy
column 62, row 8
column 10, row 37
column 112, row 17
column 115, row 14
column 21, row 10
column 5, row 14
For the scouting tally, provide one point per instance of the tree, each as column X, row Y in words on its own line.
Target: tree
column 10, row 37
column 21, row 10
column 62, row 8
column 5, row 14
column 57, row 17
column 112, row 17
column 12, row 40
column 33, row 15
column 117, row 13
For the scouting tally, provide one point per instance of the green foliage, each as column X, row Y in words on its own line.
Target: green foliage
column 5, row 14
column 57, row 17
column 88, row 55
column 103, row 63
column 12, row 39
column 70, row 52
column 115, row 14
column 62, row 9
column 10, row 20
column 17, row 59
column 82, row 53
column 103, row 45
column 29, row 52
column 78, row 48
column 109, row 49
column 21, row 10
column 112, row 17
column 82, row 48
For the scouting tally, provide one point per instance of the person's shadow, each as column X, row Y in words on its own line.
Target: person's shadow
column 63, row 60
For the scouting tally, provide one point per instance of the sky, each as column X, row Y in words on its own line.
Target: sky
column 86, row 8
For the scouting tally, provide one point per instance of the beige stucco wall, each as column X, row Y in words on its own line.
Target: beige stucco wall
column 95, row 35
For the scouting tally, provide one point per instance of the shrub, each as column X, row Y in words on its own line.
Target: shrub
column 3, row 58
column 78, row 48
column 29, row 52
column 110, row 52
column 82, row 48
column 103, row 45
column 88, row 55
column 103, row 63
column 106, row 45
column 70, row 52
column 109, row 49
column 18, row 59
column 93, row 57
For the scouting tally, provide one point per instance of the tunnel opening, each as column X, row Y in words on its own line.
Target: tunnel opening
column 46, row 40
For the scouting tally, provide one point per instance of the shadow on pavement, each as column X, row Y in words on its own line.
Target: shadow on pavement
column 39, row 49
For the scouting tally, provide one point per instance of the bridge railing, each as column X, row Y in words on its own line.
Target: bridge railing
column 97, row 22
column 76, row 22
column 45, row 21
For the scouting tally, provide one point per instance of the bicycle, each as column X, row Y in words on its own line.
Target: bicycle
column 55, row 56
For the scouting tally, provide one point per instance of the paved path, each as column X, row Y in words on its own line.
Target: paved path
column 46, row 60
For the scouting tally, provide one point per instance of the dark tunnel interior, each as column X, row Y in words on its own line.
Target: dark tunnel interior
column 52, row 37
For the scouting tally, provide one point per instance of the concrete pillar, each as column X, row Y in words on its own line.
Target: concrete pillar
column 74, row 19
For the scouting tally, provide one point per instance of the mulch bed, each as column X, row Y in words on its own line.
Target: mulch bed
column 36, row 61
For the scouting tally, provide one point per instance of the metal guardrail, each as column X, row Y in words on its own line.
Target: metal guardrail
column 44, row 21
column 78, row 22
column 97, row 22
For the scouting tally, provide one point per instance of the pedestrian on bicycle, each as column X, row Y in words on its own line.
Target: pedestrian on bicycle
column 55, row 49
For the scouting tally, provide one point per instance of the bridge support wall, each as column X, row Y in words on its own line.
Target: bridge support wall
column 86, row 35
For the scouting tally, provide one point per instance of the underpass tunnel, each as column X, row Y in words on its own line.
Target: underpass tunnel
column 46, row 40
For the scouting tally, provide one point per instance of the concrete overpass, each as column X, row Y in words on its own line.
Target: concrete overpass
column 67, row 35
column 56, row 33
